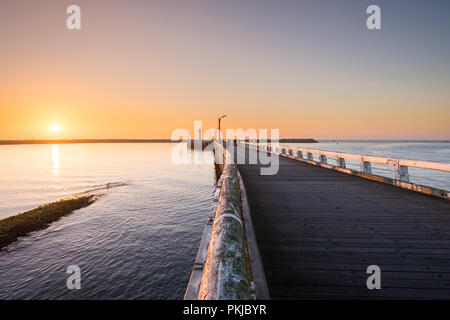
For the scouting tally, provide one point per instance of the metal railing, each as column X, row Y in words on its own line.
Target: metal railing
column 400, row 166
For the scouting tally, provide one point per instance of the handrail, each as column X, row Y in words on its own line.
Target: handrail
column 432, row 165
column 400, row 165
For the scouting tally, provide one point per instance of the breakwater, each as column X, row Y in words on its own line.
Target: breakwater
column 40, row 218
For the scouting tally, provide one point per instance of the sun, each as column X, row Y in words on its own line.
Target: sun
column 55, row 128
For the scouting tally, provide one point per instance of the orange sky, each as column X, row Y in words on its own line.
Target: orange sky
column 137, row 72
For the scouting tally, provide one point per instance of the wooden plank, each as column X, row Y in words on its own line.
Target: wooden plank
column 259, row 277
column 318, row 230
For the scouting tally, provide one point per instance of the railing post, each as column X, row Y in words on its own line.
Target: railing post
column 341, row 162
column 300, row 154
column 366, row 166
column 323, row 158
column 310, row 156
column 401, row 172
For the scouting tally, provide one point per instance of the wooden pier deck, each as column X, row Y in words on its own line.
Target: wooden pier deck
column 318, row 230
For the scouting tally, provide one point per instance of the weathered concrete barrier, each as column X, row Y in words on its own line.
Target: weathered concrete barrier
column 225, row 274
column 228, row 264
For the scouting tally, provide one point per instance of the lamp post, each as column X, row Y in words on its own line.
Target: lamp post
column 220, row 118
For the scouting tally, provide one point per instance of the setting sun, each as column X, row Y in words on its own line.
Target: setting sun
column 55, row 128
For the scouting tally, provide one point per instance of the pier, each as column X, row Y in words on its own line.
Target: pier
column 319, row 225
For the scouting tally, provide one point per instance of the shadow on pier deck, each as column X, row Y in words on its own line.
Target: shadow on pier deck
column 318, row 230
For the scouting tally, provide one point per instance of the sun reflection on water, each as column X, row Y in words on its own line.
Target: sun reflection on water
column 55, row 159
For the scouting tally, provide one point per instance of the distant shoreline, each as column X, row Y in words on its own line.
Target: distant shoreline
column 73, row 141
column 294, row 140
column 285, row 140
column 70, row 141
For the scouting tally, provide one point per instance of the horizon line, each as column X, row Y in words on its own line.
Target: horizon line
column 168, row 140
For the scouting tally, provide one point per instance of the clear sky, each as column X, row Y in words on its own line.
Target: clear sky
column 140, row 69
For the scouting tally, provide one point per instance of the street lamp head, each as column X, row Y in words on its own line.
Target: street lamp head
column 222, row 116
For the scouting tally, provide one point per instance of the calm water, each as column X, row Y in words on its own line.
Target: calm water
column 419, row 150
column 138, row 241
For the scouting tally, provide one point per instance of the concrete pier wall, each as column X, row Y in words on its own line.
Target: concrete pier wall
column 225, row 275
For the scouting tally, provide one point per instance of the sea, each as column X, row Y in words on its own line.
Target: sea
column 140, row 238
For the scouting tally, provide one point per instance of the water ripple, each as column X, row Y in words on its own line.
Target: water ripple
column 138, row 241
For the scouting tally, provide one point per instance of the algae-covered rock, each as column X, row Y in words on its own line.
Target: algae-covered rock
column 40, row 218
